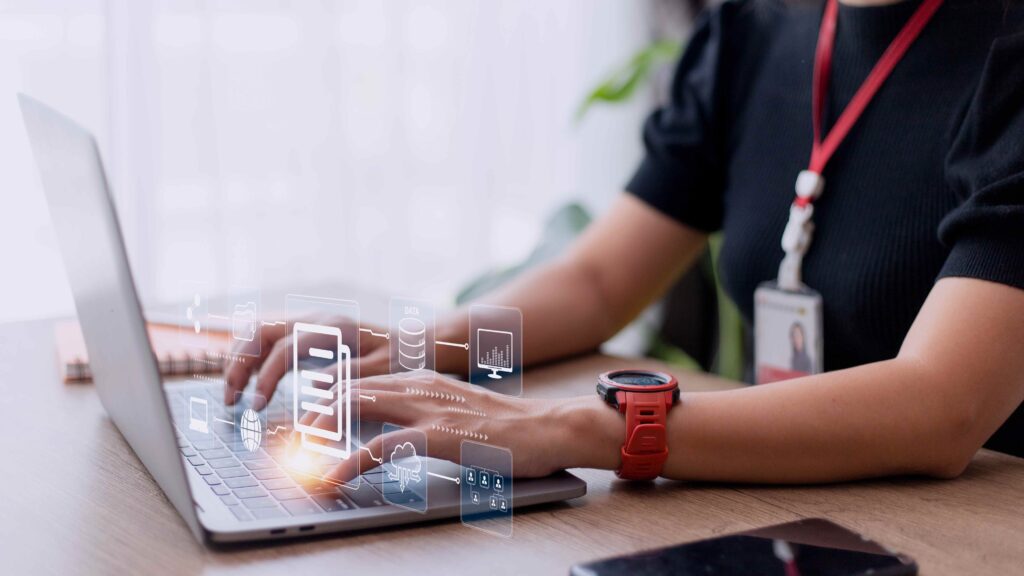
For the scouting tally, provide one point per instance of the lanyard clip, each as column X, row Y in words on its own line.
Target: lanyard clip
column 796, row 239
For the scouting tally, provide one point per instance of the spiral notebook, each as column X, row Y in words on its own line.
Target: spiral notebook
column 178, row 352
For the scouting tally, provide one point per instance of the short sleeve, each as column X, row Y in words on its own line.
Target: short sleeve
column 682, row 172
column 985, row 166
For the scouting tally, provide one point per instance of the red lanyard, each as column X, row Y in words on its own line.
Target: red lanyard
column 822, row 150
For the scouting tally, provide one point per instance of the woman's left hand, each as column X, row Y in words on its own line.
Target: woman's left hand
column 544, row 435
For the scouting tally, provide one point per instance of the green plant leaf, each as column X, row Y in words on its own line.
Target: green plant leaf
column 622, row 84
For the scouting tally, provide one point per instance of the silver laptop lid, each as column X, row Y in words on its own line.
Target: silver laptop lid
column 124, row 369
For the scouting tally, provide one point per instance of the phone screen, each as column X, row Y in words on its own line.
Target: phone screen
column 755, row 554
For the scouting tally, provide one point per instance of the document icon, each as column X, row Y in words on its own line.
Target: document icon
column 321, row 378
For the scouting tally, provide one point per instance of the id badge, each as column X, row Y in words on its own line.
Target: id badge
column 788, row 340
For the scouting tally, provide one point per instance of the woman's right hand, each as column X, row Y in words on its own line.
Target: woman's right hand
column 275, row 358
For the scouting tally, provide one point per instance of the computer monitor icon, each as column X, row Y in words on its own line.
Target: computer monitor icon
column 494, row 351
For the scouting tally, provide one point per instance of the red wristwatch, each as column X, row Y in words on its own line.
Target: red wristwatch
column 645, row 398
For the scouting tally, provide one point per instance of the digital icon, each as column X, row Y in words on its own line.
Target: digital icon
column 198, row 414
column 487, row 488
column 411, row 330
column 405, row 466
column 243, row 322
column 494, row 351
column 251, row 430
column 322, row 390
column 412, row 343
column 192, row 313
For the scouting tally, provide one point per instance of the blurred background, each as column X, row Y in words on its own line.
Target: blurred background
column 408, row 147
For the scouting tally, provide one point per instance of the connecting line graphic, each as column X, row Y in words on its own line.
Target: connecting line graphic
column 370, row 398
column 269, row 323
column 448, row 478
column 372, row 457
column 270, row 432
column 464, row 346
column 218, row 317
column 385, row 335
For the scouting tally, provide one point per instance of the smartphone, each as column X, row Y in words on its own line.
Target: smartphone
column 812, row 547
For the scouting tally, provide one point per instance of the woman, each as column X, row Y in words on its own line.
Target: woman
column 918, row 255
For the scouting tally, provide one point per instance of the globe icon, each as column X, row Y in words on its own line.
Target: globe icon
column 252, row 432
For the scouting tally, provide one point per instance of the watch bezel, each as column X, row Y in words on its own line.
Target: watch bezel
column 607, row 386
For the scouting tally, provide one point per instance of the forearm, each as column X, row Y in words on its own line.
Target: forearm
column 957, row 378
column 620, row 264
column 874, row 420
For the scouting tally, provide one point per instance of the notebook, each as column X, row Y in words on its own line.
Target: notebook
column 178, row 352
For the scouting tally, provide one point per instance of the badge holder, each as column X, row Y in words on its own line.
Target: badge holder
column 788, row 339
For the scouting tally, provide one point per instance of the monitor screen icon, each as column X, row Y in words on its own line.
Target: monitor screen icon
column 198, row 415
column 494, row 351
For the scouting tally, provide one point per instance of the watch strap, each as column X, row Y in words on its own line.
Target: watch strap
column 646, row 448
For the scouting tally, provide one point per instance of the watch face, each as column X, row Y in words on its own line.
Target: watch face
column 638, row 378
column 634, row 381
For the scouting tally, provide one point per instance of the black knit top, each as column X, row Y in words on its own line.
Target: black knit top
column 928, row 184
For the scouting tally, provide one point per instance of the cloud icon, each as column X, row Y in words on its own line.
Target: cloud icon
column 405, row 464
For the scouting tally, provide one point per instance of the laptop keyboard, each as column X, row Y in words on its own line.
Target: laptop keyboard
column 257, row 484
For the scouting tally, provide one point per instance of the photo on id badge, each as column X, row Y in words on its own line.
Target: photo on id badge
column 787, row 333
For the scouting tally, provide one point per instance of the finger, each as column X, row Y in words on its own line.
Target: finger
column 378, row 406
column 245, row 358
column 373, row 362
column 273, row 369
column 374, row 454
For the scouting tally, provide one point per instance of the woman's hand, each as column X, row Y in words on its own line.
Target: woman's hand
column 275, row 358
column 544, row 435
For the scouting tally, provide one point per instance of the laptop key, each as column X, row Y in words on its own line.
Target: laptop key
column 204, row 470
column 268, row 473
column 278, row 483
column 246, row 455
column 250, row 492
column 187, row 451
column 314, row 487
column 264, row 502
column 195, row 460
column 222, row 463
column 301, row 507
column 229, row 500
column 364, row 497
column 331, row 502
column 232, row 472
column 243, row 482
column 211, row 480
column 259, row 464
column 215, row 453
column 288, row 494
column 266, row 513
column 240, row 513
column 205, row 444
column 220, row 490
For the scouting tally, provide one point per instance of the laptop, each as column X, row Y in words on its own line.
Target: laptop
column 224, row 491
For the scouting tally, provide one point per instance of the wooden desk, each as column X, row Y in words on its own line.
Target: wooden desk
column 73, row 499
